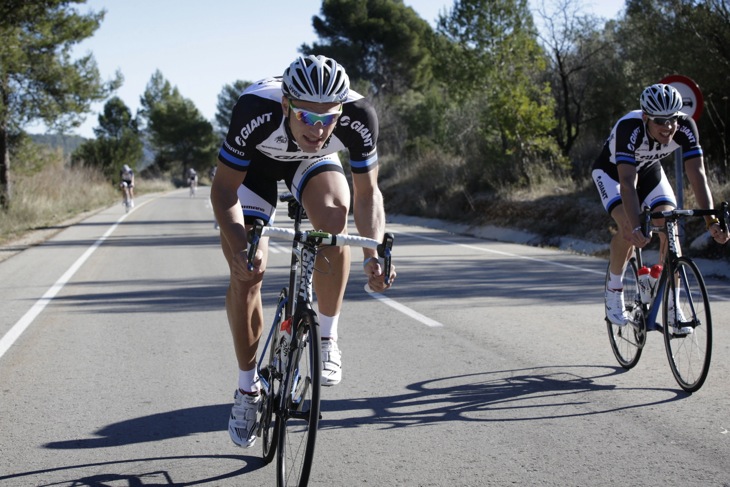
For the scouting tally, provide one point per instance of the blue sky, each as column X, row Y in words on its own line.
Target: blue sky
column 200, row 46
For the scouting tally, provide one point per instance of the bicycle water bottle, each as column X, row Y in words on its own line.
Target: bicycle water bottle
column 644, row 284
column 284, row 343
column 654, row 273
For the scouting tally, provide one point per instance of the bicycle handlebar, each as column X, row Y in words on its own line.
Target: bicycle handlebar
column 318, row 238
column 723, row 212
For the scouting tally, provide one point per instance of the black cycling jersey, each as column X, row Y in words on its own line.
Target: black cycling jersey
column 630, row 143
column 258, row 127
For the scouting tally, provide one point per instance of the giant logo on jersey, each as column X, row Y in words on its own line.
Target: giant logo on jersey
column 358, row 127
column 688, row 132
column 248, row 129
column 632, row 140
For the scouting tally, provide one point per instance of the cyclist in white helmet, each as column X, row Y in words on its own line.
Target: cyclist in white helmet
column 629, row 176
column 290, row 129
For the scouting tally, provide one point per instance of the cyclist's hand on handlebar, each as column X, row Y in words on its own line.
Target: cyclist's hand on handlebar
column 637, row 238
column 376, row 279
column 239, row 266
column 717, row 233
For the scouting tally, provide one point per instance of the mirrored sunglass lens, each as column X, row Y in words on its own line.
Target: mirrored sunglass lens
column 312, row 118
column 664, row 121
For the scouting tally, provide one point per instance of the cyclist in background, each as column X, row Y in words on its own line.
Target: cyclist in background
column 192, row 176
column 291, row 128
column 126, row 183
column 629, row 176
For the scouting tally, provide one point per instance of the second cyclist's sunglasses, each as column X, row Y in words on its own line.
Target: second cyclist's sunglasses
column 663, row 120
column 312, row 118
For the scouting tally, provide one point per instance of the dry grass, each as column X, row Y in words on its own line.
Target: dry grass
column 49, row 196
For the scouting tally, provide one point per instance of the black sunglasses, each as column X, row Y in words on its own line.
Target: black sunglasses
column 663, row 120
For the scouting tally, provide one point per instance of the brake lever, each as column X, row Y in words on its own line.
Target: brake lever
column 724, row 216
column 384, row 251
column 645, row 221
column 254, row 236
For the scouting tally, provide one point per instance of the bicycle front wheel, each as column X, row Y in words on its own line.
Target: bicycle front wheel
column 627, row 342
column 272, row 374
column 299, row 420
column 689, row 354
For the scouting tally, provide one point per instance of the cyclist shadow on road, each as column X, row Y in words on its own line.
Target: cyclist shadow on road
column 534, row 393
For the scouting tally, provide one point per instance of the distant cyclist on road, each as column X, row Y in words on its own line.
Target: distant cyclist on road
column 126, row 183
column 629, row 176
column 192, row 179
column 291, row 129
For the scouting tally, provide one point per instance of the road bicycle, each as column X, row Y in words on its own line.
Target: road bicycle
column 290, row 365
column 681, row 294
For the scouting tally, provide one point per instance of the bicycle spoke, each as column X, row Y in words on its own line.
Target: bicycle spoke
column 299, row 422
column 689, row 354
column 627, row 341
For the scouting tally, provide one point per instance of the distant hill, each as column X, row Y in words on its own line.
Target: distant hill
column 68, row 143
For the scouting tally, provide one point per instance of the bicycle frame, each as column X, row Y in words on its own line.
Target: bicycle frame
column 674, row 251
column 292, row 389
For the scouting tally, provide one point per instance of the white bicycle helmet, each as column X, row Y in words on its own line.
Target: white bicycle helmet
column 317, row 79
column 661, row 100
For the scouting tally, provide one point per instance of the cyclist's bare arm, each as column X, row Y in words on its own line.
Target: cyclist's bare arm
column 368, row 208
column 695, row 170
column 370, row 222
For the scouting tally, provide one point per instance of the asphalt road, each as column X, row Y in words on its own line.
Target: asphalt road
column 487, row 364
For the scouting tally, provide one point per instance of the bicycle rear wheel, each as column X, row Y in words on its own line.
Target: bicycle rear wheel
column 689, row 354
column 628, row 341
column 272, row 374
column 299, row 420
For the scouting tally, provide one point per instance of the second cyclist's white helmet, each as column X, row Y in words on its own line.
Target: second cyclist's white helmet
column 661, row 100
column 317, row 79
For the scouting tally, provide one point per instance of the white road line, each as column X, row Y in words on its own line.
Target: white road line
column 403, row 309
column 543, row 261
column 498, row 252
column 23, row 323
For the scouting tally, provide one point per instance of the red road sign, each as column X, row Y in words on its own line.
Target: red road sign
column 691, row 94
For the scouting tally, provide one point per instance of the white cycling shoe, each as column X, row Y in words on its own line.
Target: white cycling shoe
column 616, row 308
column 331, row 363
column 244, row 418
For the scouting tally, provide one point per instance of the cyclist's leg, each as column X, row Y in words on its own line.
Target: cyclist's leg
column 621, row 249
column 245, row 319
column 245, row 311
column 659, row 197
column 326, row 199
column 243, row 299
column 606, row 179
column 125, row 191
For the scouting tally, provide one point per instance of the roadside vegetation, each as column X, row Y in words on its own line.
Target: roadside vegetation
column 48, row 191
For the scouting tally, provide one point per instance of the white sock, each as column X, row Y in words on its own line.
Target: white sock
column 615, row 281
column 248, row 380
column 328, row 326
